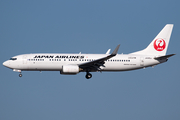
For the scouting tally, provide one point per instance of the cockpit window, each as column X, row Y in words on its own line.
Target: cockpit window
column 13, row 58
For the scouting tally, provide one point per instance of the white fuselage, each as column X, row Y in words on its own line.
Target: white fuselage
column 54, row 62
column 153, row 54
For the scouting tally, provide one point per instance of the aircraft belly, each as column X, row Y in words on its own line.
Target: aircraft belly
column 42, row 67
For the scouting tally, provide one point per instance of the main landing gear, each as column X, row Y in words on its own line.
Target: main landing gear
column 88, row 75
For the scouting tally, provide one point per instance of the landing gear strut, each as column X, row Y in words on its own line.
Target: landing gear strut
column 88, row 75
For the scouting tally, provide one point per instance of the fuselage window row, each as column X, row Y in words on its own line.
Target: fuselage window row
column 79, row 60
column 35, row 59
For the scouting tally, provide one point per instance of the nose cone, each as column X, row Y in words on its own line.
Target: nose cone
column 6, row 64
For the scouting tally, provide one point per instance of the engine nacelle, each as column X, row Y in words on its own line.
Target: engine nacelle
column 70, row 69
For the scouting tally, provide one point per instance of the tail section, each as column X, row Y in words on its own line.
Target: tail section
column 160, row 43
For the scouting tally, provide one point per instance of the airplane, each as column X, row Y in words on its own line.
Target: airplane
column 72, row 64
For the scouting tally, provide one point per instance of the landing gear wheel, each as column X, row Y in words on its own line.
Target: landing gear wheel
column 20, row 75
column 88, row 75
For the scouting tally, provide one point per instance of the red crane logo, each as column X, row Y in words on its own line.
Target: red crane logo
column 159, row 44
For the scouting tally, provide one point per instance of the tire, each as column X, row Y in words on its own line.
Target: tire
column 20, row 75
column 88, row 75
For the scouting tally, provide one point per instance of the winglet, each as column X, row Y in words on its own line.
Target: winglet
column 116, row 50
column 108, row 51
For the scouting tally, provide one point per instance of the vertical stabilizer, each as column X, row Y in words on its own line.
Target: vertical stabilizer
column 160, row 43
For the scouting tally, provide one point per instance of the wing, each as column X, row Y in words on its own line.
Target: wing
column 95, row 65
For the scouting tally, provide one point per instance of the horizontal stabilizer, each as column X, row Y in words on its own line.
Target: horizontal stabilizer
column 164, row 57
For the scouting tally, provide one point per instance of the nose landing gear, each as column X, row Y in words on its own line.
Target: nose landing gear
column 88, row 75
column 20, row 75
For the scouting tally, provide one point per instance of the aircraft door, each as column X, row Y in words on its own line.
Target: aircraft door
column 141, row 61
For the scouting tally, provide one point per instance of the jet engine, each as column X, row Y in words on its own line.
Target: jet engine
column 70, row 69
